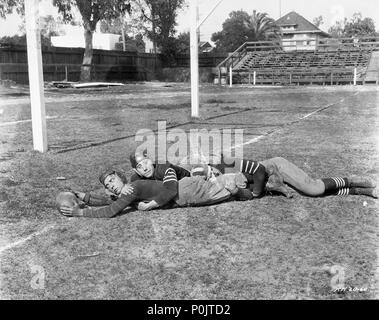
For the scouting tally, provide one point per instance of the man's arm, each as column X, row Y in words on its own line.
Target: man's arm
column 108, row 211
column 257, row 180
column 170, row 184
column 96, row 200
column 164, row 193
column 145, row 206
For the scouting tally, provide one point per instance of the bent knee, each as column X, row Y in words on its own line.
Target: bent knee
column 315, row 189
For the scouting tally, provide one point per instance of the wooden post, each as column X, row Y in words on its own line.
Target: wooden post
column 355, row 76
column 37, row 98
column 194, row 49
column 66, row 71
column 254, row 78
column 290, row 77
column 230, row 76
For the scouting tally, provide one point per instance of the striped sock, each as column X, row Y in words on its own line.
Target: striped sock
column 332, row 184
column 370, row 192
column 342, row 192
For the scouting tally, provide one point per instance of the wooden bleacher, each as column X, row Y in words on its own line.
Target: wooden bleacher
column 329, row 64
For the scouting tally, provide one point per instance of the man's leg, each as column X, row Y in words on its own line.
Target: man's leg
column 370, row 192
column 297, row 178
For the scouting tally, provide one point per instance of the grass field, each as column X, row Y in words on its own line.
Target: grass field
column 271, row 248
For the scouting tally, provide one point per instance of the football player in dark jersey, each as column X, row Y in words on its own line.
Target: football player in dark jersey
column 302, row 182
column 192, row 191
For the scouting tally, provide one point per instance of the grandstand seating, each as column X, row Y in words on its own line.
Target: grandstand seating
column 303, row 66
column 334, row 62
column 303, row 59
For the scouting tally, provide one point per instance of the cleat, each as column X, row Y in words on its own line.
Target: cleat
column 361, row 182
column 370, row 192
column 375, row 193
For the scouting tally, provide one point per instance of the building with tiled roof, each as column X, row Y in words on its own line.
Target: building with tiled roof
column 298, row 33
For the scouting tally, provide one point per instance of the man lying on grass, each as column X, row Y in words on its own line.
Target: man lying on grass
column 146, row 169
column 269, row 175
column 280, row 172
column 198, row 190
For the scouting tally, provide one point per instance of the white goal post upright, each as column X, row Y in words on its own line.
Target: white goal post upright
column 37, row 98
column 194, row 48
column 194, row 53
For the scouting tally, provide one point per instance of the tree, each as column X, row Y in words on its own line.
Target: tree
column 262, row 27
column 359, row 27
column 337, row 30
column 91, row 11
column 7, row 7
column 355, row 27
column 161, row 18
column 318, row 21
column 49, row 26
column 241, row 27
column 183, row 43
column 234, row 32
column 131, row 30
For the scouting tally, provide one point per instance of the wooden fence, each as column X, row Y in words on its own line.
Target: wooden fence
column 64, row 64
column 206, row 60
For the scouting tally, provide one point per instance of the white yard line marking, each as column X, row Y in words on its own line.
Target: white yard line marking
column 22, row 241
column 251, row 141
column 23, row 121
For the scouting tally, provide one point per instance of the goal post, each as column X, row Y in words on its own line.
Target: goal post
column 37, row 99
column 194, row 54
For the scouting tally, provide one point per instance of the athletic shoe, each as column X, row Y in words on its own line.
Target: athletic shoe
column 361, row 182
column 375, row 193
column 371, row 192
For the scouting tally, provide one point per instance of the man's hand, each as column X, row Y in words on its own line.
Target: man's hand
column 145, row 206
column 71, row 211
column 79, row 195
column 276, row 183
column 127, row 189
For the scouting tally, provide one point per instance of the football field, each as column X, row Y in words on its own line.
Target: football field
column 268, row 248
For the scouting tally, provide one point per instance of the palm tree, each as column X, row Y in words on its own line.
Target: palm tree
column 262, row 27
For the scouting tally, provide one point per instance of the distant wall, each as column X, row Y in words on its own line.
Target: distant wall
column 64, row 63
column 61, row 62
column 180, row 74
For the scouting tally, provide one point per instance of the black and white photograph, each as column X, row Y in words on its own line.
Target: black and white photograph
column 203, row 151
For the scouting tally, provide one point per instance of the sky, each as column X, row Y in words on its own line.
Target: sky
column 331, row 10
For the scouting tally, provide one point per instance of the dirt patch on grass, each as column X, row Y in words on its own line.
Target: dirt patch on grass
column 219, row 101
